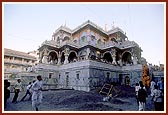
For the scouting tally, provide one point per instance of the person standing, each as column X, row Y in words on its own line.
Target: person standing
column 37, row 93
column 160, row 85
column 152, row 84
column 142, row 94
column 137, row 87
column 28, row 92
column 17, row 89
column 6, row 92
column 158, row 99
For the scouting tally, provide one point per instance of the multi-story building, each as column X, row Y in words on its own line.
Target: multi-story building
column 16, row 62
column 88, row 56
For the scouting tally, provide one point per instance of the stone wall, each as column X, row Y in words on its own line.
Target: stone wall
column 89, row 74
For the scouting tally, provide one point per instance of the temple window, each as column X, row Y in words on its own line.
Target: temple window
column 83, row 38
column 114, row 40
column 77, row 76
column 66, row 38
column 75, row 41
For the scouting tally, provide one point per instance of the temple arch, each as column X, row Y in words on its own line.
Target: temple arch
column 72, row 56
column 126, row 58
column 52, row 57
column 107, row 57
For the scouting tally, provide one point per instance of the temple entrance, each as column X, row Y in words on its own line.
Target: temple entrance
column 127, row 80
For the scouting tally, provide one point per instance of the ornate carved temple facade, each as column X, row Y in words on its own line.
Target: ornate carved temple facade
column 88, row 56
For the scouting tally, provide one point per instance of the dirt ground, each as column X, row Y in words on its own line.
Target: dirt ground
column 73, row 100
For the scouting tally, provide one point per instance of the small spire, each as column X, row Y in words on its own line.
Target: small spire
column 65, row 23
column 105, row 28
column 113, row 25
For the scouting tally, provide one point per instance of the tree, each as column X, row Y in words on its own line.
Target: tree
column 145, row 76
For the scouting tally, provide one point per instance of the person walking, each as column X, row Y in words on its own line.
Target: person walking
column 37, row 93
column 158, row 99
column 142, row 94
column 17, row 88
column 28, row 92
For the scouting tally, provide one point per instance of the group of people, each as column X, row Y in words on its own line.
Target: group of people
column 34, row 90
column 156, row 92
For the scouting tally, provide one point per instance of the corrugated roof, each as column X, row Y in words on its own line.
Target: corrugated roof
column 9, row 52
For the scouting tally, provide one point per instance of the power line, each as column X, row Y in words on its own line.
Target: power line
column 95, row 14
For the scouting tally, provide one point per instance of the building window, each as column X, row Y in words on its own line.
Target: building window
column 108, row 77
column 59, row 76
column 77, row 76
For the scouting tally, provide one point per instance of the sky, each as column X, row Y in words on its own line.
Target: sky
column 27, row 25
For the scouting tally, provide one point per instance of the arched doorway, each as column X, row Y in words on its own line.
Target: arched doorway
column 107, row 57
column 127, row 80
column 72, row 57
column 52, row 57
column 126, row 58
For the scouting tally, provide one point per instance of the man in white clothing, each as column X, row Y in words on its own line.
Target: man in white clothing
column 37, row 92
column 18, row 87
column 152, row 84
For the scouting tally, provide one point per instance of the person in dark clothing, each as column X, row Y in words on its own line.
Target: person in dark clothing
column 142, row 94
column 28, row 92
column 6, row 92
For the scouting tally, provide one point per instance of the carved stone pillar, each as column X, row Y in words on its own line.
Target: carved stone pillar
column 114, row 57
column 66, row 55
column 40, row 57
column 44, row 60
column 87, row 53
column 59, row 59
column 66, row 59
column 120, row 60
